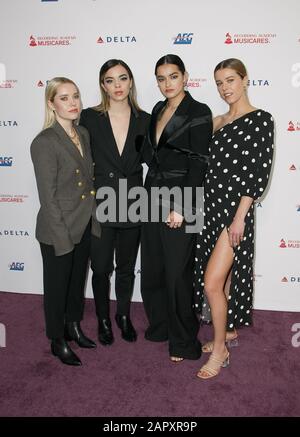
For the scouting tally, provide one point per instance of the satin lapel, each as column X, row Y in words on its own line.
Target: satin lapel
column 176, row 121
column 195, row 122
column 69, row 146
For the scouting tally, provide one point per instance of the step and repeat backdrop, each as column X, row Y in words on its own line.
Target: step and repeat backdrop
column 73, row 38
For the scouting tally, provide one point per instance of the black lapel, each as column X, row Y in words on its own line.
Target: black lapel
column 152, row 128
column 176, row 121
column 130, row 139
column 110, row 142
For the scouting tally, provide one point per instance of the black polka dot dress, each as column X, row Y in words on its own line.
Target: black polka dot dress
column 240, row 164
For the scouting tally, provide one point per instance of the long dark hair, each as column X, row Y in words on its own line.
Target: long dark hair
column 104, row 104
column 170, row 59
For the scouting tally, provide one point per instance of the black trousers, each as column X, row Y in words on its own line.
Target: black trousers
column 167, row 259
column 64, row 283
column 124, row 243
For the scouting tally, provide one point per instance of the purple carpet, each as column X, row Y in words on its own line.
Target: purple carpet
column 134, row 380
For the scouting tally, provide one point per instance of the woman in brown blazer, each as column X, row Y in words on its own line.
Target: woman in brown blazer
column 64, row 175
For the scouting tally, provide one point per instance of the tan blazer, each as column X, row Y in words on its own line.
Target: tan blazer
column 65, row 186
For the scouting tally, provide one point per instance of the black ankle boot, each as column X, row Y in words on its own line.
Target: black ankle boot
column 61, row 349
column 127, row 329
column 74, row 332
column 105, row 334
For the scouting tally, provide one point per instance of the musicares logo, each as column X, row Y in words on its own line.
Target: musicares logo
column 13, row 198
column 290, row 244
column 9, row 83
column 293, row 126
column 249, row 38
column 50, row 41
column 196, row 83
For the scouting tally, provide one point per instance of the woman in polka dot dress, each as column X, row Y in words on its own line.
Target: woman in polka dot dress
column 238, row 173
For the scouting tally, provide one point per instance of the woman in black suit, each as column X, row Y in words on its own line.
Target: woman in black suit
column 180, row 131
column 116, row 126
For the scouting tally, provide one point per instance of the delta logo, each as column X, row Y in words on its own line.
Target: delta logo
column 116, row 39
column 8, row 123
column 43, row 41
column 13, row 198
column 6, row 161
column 258, row 82
column 196, row 83
column 293, row 126
column 16, row 266
column 249, row 38
column 291, row 279
column 9, row 83
column 293, row 167
column 13, row 233
column 183, row 38
column 289, row 244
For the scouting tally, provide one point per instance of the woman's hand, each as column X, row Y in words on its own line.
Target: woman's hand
column 236, row 232
column 174, row 220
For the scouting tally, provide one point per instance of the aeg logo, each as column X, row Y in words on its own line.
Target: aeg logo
column 17, row 266
column 183, row 38
column 5, row 161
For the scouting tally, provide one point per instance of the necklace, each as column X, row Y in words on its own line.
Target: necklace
column 75, row 139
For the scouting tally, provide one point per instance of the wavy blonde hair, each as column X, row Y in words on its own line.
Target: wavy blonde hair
column 50, row 93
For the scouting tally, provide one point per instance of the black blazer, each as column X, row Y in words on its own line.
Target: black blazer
column 180, row 158
column 110, row 166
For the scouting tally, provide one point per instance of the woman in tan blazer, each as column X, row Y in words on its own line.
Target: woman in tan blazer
column 64, row 175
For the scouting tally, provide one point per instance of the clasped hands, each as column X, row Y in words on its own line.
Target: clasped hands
column 174, row 220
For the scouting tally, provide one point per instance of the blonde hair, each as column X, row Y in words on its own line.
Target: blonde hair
column 234, row 64
column 50, row 93
column 104, row 105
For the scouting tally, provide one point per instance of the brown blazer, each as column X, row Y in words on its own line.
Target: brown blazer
column 65, row 186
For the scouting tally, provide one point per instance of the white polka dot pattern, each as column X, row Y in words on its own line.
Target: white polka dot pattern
column 240, row 164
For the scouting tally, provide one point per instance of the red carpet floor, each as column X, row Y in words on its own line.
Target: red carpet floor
column 134, row 380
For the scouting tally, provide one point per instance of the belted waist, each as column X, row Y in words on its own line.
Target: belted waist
column 166, row 174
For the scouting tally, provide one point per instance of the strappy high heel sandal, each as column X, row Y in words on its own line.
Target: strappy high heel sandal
column 208, row 347
column 213, row 366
